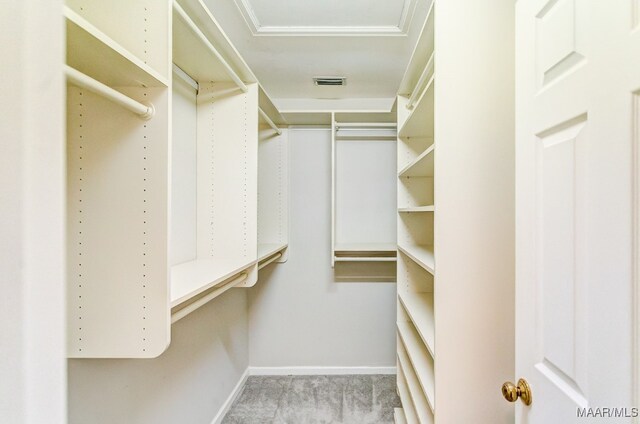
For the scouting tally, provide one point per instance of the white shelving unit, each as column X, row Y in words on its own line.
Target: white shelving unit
column 117, row 178
column 416, row 209
column 163, row 217
column 363, row 230
column 240, row 205
column 455, row 161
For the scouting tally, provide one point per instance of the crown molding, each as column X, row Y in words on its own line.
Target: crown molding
column 258, row 30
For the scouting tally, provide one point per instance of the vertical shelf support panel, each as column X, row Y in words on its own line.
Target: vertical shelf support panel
column 228, row 154
column 117, row 178
column 273, row 189
column 117, row 204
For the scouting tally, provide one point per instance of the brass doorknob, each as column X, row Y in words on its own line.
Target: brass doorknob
column 512, row 392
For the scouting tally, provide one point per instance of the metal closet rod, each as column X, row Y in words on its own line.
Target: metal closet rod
column 181, row 313
column 194, row 28
column 85, row 81
column 269, row 121
column 270, row 260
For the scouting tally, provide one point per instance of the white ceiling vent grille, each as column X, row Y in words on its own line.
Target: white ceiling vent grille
column 329, row 81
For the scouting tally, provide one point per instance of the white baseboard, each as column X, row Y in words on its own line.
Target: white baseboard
column 232, row 397
column 320, row 370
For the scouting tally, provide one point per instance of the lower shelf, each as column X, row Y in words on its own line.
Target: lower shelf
column 365, row 252
column 192, row 278
column 407, row 403
column 419, row 359
column 398, row 416
column 421, row 254
column 365, row 258
column 419, row 307
column 418, row 397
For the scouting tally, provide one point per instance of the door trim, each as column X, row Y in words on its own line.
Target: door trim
column 636, row 246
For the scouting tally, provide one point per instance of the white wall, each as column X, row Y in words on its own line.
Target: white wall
column 187, row 384
column 299, row 316
column 32, row 181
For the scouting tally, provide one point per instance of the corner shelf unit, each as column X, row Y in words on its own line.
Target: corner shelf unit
column 415, row 219
column 363, row 193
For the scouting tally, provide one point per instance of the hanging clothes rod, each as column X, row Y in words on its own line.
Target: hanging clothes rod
column 194, row 28
column 181, row 313
column 268, row 261
column 365, row 125
column 428, row 70
column 85, row 81
column 269, row 121
column 365, row 259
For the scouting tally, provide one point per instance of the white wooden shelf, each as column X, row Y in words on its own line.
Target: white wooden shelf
column 421, row 166
column 266, row 104
column 424, row 411
column 421, row 254
column 421, row 53
column 419, row 123
column 195, row 277
column 93, row 53
column 365, row 252
column 419, row 307
column 407, row 402
column 266, row 250
column 193, row 55
column 365, row 247
column 417, row 209
column 365, row 259
column 420, row 359
column 398, row 416
column 368, row 137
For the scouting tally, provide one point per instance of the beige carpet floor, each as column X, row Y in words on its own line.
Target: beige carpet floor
column 336, row 399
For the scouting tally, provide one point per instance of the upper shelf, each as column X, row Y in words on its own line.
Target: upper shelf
column 419, row 123
column 266, row 104
column 198, row 58
column 421, row 54
column 203, row 51
column 195, row 59
column 95, row 54
column 422, row 166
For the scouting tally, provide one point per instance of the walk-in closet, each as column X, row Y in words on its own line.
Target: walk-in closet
column 319, row 212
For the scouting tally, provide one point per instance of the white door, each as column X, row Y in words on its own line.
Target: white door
column 577, row 198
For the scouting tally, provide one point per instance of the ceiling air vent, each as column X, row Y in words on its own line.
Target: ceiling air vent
column 329, row 81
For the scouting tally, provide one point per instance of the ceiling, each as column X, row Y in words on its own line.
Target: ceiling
column 288, row 42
